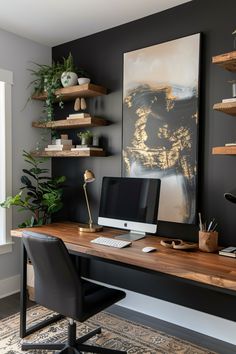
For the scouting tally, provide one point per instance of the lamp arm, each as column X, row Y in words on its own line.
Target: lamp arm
column 88, row 207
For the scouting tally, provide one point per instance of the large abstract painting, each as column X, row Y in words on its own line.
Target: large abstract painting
column 160, row 122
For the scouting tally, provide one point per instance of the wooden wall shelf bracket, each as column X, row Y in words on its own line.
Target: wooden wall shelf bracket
column 72, row 92
column 71, row 123
column 224, row 150
column 226, row 60
column 68, row 153
column 228, row 108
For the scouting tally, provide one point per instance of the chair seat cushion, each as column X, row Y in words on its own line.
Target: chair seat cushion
column 96, row 298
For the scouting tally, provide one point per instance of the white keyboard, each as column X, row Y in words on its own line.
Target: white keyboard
column 105, row 241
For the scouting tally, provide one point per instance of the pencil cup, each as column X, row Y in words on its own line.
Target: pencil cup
column 208, row 241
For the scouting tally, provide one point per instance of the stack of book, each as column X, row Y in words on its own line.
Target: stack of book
column 230, row 144
column 60, row 144
column 78, row 115
column 86, row 148
column 229, row 100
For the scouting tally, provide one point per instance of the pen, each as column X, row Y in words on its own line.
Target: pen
column 204, row 227
column 200, row 221
column 214, row 227
column 210, row 225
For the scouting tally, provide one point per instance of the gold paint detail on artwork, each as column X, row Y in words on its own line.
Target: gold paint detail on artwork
column 172, row 153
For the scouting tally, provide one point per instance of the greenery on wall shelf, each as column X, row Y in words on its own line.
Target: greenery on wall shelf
column 85, row 137
column 40, row 194
column 47, row 78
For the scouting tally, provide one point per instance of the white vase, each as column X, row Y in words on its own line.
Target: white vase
column 69, row 78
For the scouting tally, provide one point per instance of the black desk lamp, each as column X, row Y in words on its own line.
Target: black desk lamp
column 89, row 177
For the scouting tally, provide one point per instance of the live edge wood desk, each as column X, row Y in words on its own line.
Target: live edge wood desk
column 207, row 269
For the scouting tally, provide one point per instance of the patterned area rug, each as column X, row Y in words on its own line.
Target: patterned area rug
column 117, row 333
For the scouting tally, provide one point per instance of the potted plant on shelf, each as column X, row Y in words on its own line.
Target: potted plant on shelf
column 69, row 76
column 40, row 194
column 233, row 83
column 85, row 137
column 49, row 78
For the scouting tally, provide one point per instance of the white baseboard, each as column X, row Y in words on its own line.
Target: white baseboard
column 9, row 286
column 194, row 320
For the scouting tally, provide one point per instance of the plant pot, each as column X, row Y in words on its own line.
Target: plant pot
column 83, row 80
column 69, row 78
column 86, row 140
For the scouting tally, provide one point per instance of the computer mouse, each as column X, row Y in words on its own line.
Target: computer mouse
column 149, row 249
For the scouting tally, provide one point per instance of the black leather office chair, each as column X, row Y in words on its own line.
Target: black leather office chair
column 59, row 287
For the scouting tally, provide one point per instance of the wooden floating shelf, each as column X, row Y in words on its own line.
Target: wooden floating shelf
column 72, row 92
column 68, row 153
column 224, row 150
column 226, row 107
column 71, row 123
column 227, row 60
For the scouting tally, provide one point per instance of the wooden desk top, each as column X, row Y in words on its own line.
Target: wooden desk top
column 206, row 268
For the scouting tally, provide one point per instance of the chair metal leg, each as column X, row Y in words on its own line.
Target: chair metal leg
column 73, row 346
column 49, row 346
column 71, row 333
column 95, row 349
column 69, row 350
column 24, row 331
column 89, row 335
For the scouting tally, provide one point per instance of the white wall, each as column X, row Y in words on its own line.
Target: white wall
column 17, row 53
column 201, row 322
column 197, row 321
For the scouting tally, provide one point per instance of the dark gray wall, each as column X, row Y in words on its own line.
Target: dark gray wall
column 102, row 55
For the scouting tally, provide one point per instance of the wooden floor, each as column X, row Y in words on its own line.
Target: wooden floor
column 11, row 305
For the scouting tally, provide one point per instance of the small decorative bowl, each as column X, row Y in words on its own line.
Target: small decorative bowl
column 83, row 80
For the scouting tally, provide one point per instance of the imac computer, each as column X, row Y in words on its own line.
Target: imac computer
column 130, row 204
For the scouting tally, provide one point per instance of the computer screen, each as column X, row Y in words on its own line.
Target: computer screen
column 130, row 204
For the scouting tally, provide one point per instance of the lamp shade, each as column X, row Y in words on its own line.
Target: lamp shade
column 231, row 197
column 89, row 176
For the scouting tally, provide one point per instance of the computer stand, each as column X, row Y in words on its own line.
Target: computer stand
column 132, row 236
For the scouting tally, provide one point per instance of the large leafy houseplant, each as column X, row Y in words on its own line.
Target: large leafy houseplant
column 40, row 194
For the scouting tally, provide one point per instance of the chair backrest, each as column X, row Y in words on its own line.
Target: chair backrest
column 57, row 284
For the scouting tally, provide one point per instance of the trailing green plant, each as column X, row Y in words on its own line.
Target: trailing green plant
column 47, row 78
column 40, row 194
